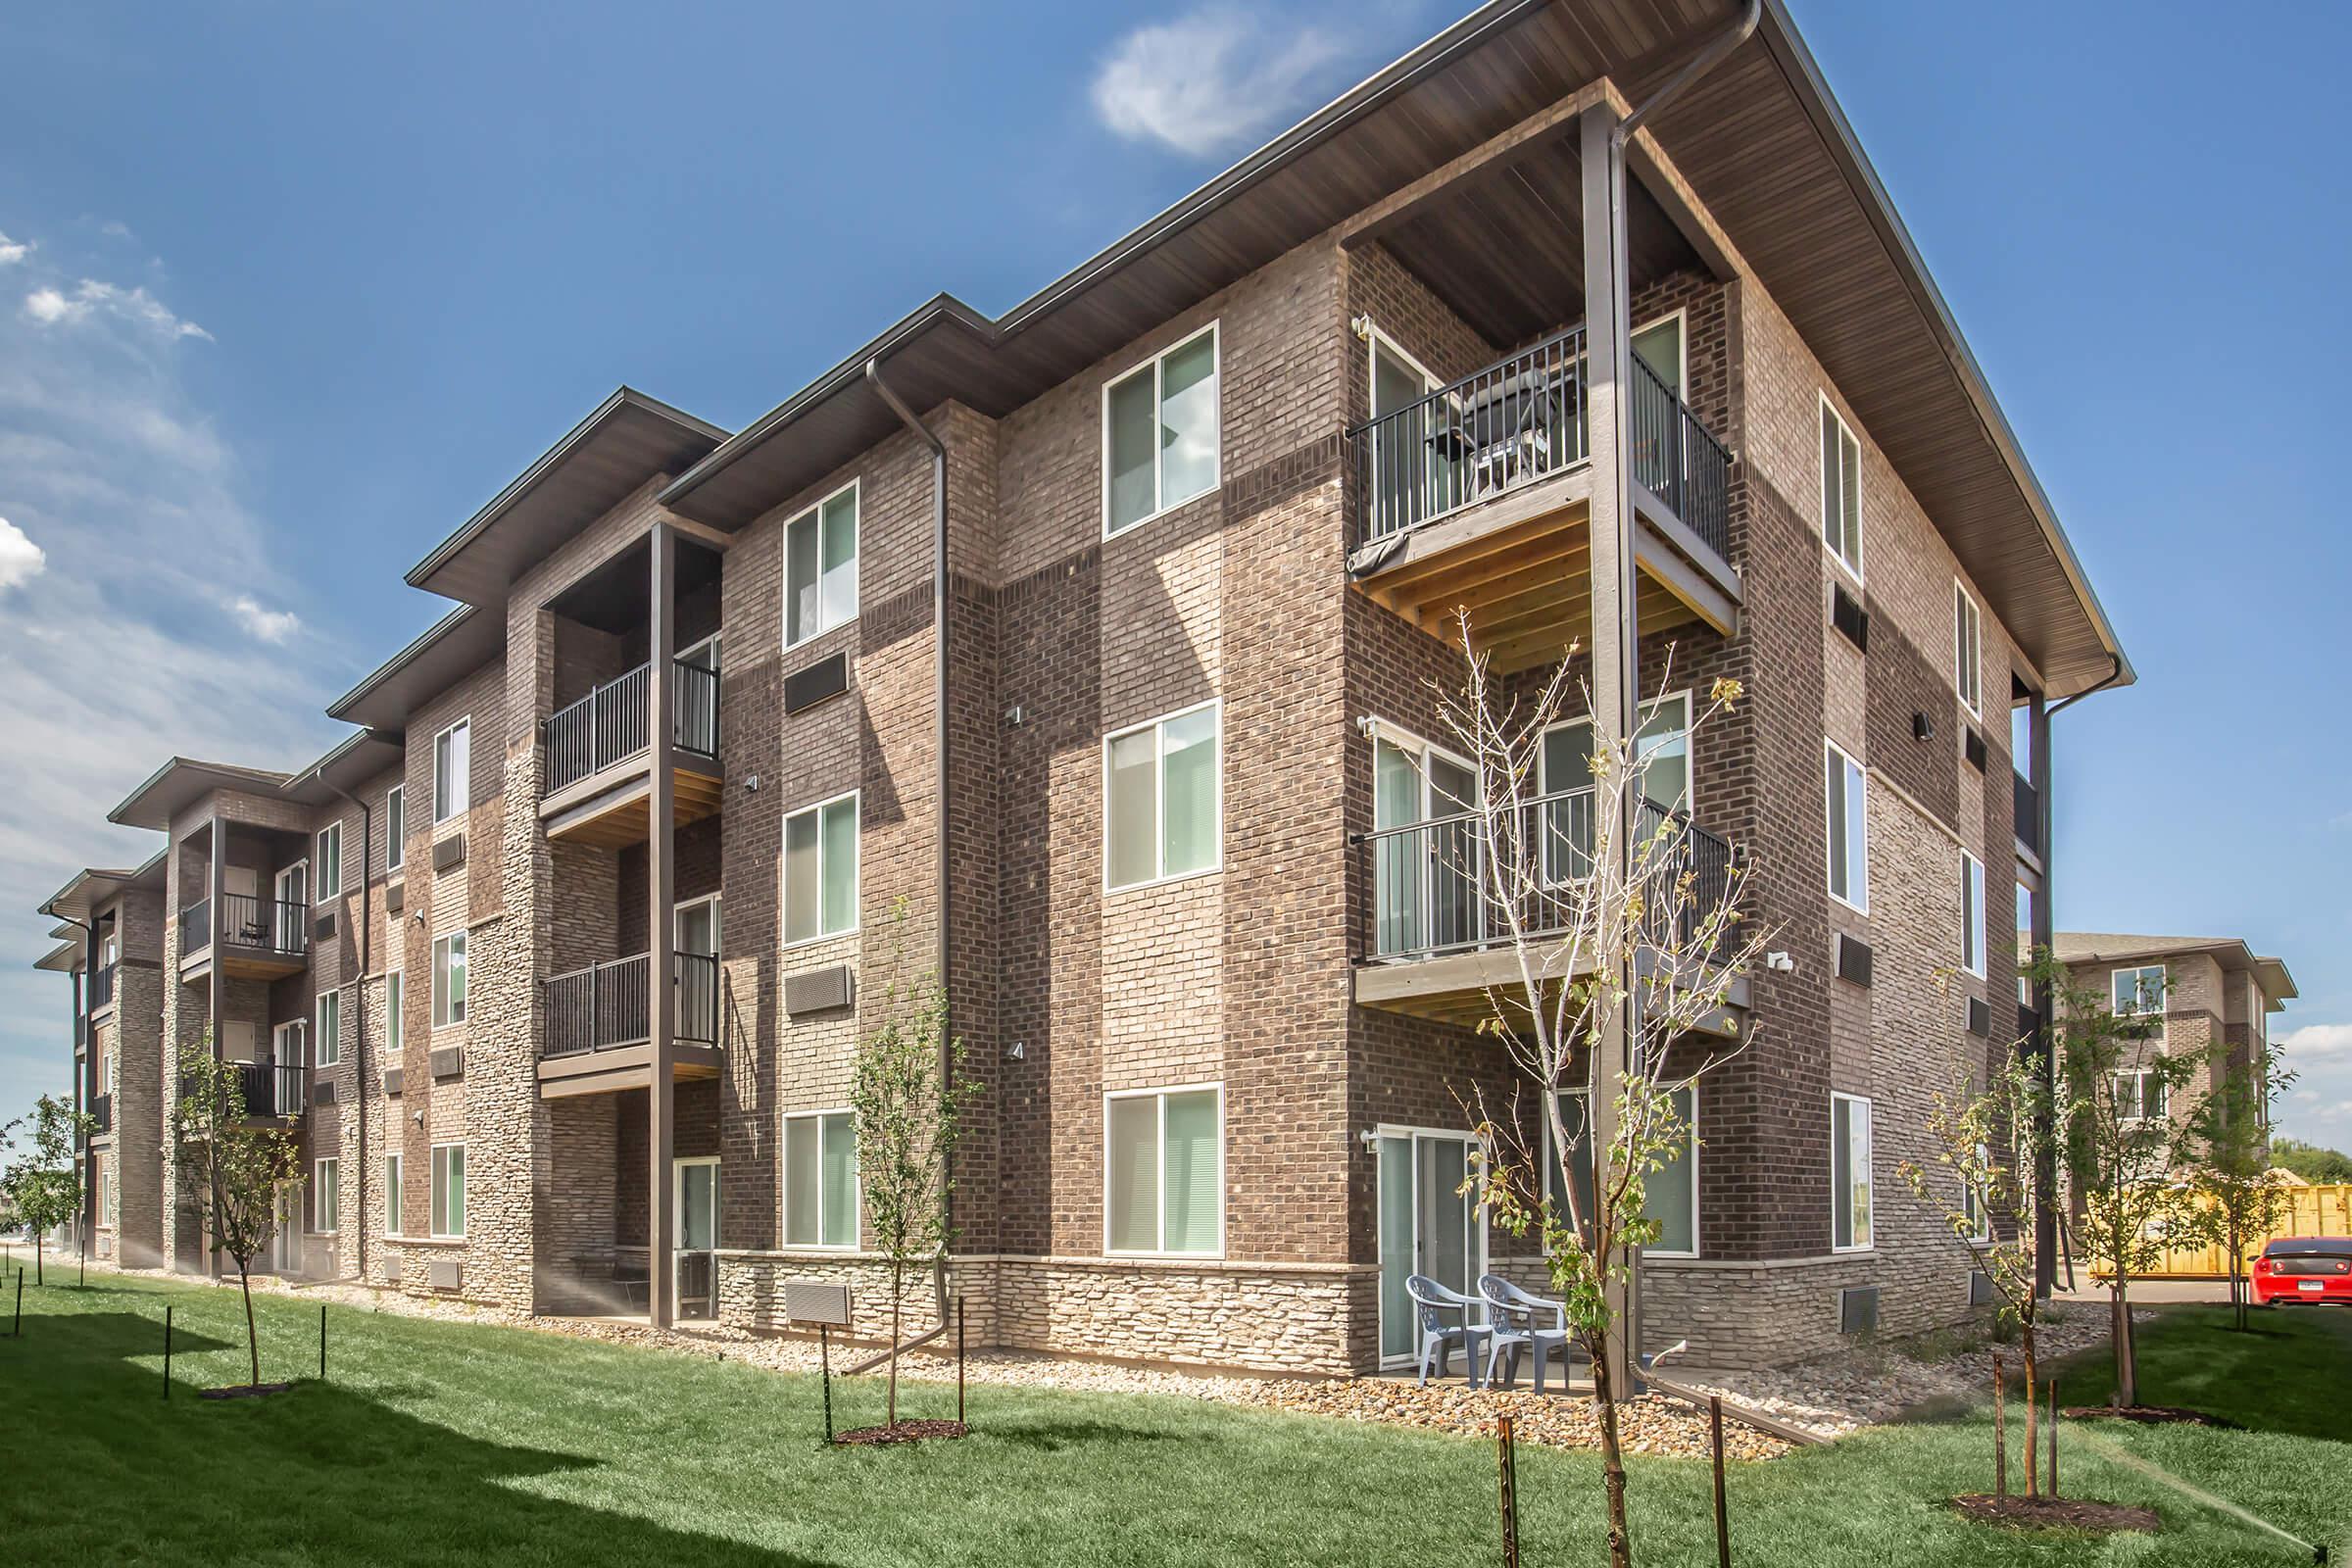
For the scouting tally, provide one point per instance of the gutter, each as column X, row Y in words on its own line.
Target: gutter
column 86, row 1221
column 939, row 709
column 359, row 1037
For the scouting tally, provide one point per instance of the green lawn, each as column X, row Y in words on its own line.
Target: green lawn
column 433, row 1441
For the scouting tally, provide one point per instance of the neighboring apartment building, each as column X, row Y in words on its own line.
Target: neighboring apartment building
column 2215, row 997
column 1098, row 639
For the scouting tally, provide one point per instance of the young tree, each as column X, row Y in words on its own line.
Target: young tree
column 44, row 1182
column 908, row 1096
column 1980, row 1182
column 240, row 1165
column 2120, row 1142
column 2226, row 1152
column 1598, row 901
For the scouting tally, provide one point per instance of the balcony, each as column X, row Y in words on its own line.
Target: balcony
column 597, row 1030
column 598, row 782
column 257, row 939
column 270, row 1090
column 2027, row 820
column 102, row 989
column 1479, row 496
column 102, row 1114
column 1430, row 941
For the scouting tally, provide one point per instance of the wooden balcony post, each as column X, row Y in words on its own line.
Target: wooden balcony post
column 1614, row 667
column 661, row 859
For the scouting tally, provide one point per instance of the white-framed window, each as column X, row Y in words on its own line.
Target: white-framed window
column 453, row 771
column 1841, row 491
column 449, row 980
column 396, row 990
column 1161, row 432
column 2141, row 1095
column 821, row 1179
column 1968, row 649
column 396, row 827
column 1662, row 747
column 330, row 1030
column 329, row 860
column 1972, row 914
column 392, row 1197
column 1161, row 803
column 820, row 566
column 1669, row 1194
column 2025, row 945
column 326, row 1195
column 2138, row 992
column 286, row 1043
column 449, row 1190
column 1420, row 901
column 1163, row 1171
column 820, row 870
column 1849, row 1173
column 1849, row 829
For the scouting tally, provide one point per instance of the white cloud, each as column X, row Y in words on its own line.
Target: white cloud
column 269, row 625
column 20, row 560
column 2318, row 1042
column 13, row 251
column 1213, row 78
column 52, row 307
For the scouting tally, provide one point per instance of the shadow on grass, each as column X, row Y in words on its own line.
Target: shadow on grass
column 338, row 1476
column 1051, row 1437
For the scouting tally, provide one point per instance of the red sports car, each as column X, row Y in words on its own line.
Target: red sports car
column 2304, row 1268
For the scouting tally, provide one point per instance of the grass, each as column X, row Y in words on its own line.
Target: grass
column 431, row 1441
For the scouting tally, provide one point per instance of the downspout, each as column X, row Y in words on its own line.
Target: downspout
column 359, row 1035
column 1620, row 377
column 939, row 747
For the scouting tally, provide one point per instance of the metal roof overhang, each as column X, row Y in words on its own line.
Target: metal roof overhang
column 90, row 889
column 351, row 762
column 1759, row 138
column 63, row 959
column 179, row 783
column 628, row 439
column 455, row 644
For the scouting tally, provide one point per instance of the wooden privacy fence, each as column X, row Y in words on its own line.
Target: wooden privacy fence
column 2319, row 1210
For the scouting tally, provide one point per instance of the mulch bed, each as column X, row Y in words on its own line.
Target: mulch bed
column 2152, row 1415
column 903, row 1432
column 2054, row 1513
column 244, row 1390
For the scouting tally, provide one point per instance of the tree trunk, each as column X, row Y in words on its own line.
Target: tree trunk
column 253, row 1343
column 2127, row 1371
column 1613, row 1454
column 893, row 1403
column 36, row 1257
column 2026, row 1344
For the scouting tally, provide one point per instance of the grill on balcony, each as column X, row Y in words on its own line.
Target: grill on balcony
column 610, row 725
column 1522, row 420
column 606, row 1004
column 1430, row 887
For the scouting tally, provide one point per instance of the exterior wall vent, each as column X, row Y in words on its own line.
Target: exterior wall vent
column 449, row 1061
column 323, row 928
column 1980, row 1016
column 1850, row 617
column 392, row 1081
column 1859, row 1309
column 447, row 1274
column 819, row 990
column 323, row 1091
column 448, row 852
column 394, row 897
column 827, row 678
column 1980, row 1289
column 1974, row 748
column 1853, row 959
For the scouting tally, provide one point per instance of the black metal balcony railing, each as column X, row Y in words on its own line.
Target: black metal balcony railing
column 608, row 726
column 269, row 1088
column 607, row 1004
column 260, row 925
column 1431, row 890
column 1519, row 419
column 2027, row 806
column 102, row 988
column 102, row 1113
column 1681, row 463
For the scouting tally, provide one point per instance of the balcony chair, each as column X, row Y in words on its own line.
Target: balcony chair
column 1516, row 1315
column 1436, row 1338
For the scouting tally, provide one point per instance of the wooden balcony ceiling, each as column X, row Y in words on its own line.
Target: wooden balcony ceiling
column 1463, row 989
column 243, row 963
column 608, row 809
column 1522, row 566
column 619, row 1067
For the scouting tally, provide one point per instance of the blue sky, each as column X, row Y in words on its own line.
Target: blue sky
column 288, row 290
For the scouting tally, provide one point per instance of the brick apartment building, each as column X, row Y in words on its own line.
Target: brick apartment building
column 2215, row 996
column 1084, row 654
